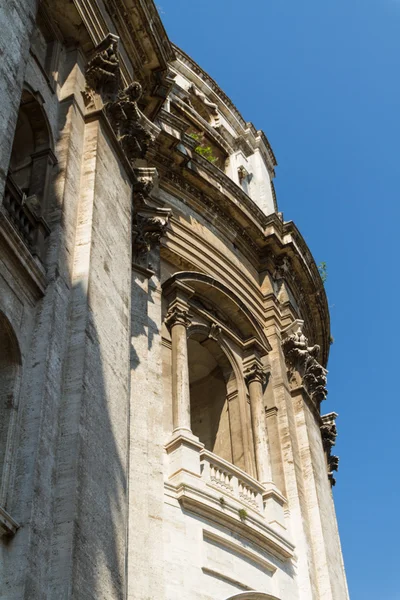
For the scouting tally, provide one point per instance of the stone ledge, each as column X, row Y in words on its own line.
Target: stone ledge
column 207, row 504
column 247, row 553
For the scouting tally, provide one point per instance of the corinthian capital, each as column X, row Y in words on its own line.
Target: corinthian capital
column 255, row 372
column 177, row 315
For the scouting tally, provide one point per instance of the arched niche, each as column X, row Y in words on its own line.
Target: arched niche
column 223, row 337
column 32, row 152
column 213, row 384
column 10, row 367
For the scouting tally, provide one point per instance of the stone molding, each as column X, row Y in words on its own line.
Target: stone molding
column 302, row 358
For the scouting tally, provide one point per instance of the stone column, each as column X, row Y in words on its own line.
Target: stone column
column 255, row 378
column 177, row 320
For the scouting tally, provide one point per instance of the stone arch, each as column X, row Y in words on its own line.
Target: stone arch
column 253, row 596
column 224, row 301
column 10, row 368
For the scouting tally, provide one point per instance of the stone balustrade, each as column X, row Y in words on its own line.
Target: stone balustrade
column 212, row 487
column 222, row 475
column 19, row 209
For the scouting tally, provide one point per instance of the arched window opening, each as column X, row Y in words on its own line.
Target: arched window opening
column 212, row 387
column 9, row 369
column 31, row 161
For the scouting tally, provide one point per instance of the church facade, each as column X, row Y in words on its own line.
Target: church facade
column 164, row 331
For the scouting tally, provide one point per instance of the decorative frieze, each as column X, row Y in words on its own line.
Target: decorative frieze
column 302, row 358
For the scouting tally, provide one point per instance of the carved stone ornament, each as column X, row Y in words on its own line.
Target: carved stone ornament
column 333, row 465
column 177, row 315
column 147, row 231
column 328, row 431
column 142, row 188
column 149, row 223
column 329, row 434
column 103, row 74
column 209, row 108
column 215, row 332
column 303, row 358
column 255, row 372
column 283, row 268
column 132, row 128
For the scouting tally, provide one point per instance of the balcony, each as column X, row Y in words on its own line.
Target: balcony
column 21, row 211
column 213, row 488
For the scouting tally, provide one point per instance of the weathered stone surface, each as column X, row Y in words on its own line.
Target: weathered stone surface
column 144, row 452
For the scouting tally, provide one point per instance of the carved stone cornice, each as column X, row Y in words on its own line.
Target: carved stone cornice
column 177, row 315
column 302, row 358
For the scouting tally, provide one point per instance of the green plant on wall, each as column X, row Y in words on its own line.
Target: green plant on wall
column 242, row 514
column 202, row 149
column 323, row 271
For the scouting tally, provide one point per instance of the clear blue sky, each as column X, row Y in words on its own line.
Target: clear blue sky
column 322, row 79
